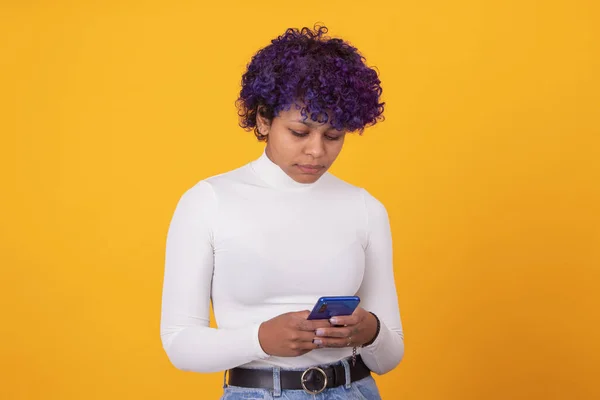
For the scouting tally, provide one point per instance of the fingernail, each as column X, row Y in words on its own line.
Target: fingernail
column 318, row 342
column 333, row 321
column 320, row 332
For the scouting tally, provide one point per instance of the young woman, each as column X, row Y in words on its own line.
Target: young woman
column 266, row 240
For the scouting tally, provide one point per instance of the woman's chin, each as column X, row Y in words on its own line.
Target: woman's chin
column 306, row 178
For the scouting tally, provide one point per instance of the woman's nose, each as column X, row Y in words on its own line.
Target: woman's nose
column 315, row 146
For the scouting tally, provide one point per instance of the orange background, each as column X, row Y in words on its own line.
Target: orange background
column 488, row 163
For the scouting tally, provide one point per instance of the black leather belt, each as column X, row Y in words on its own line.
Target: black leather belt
column 313, row 380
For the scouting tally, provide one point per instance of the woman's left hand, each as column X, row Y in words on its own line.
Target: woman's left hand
column 348, row 331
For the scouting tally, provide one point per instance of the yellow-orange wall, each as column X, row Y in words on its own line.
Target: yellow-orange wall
column 488, row 163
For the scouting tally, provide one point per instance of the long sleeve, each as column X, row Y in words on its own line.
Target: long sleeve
column 190, row 344
column 378, row 291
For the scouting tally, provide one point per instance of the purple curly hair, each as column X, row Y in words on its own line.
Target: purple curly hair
column 327, row 75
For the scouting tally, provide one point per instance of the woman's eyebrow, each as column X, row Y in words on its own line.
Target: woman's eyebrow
column 311, row 124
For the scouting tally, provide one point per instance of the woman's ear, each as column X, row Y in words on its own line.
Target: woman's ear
column 262, row 121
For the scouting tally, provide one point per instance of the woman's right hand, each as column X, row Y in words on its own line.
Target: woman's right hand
column 289, row 334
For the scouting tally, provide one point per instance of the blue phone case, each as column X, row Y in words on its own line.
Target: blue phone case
column 331, row 306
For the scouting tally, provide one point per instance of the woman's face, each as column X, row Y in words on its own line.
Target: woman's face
column 303, row 150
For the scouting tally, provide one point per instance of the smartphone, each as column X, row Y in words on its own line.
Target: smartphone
column 330, row 306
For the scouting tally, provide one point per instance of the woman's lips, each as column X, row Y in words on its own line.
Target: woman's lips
column 310, row 169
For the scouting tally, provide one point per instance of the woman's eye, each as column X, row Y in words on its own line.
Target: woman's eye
column 303, row 134
column 298, row 133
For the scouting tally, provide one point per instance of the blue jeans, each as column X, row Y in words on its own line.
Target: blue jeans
column 364, row 389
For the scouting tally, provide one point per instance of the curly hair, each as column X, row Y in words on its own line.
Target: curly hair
column 327, row 75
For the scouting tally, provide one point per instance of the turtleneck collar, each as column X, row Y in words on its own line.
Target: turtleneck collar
column 273, row 175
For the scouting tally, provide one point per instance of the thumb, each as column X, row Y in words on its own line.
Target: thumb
column 303, row 314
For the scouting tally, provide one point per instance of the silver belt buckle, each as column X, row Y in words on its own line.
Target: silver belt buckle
column 303, row 381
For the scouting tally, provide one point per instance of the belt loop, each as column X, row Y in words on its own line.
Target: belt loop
column 276, row 382
column 346, row 365
column 225, row 379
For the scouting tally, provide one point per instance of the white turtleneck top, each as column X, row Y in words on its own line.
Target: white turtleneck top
column 259, row 244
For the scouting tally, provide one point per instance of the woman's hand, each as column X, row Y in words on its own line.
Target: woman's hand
column 348, row 331
column 289, row 334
